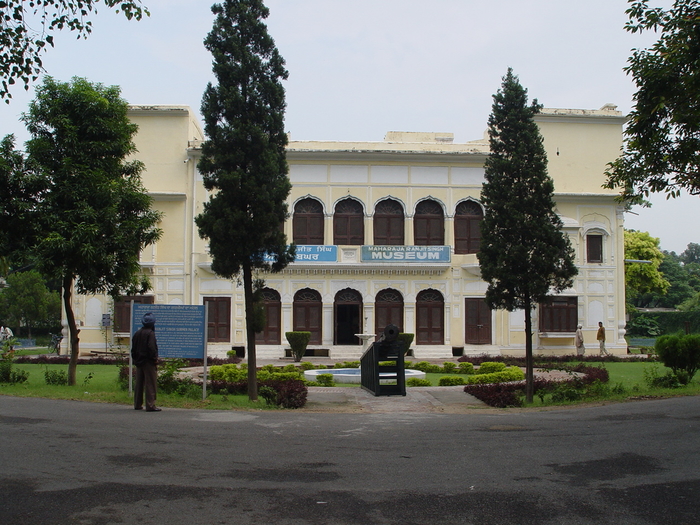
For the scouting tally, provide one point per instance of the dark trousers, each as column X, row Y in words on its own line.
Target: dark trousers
column 146, row 381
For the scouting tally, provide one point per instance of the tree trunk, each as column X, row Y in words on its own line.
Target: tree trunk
column 529, row 368
column 73, row 340
column 250, row 332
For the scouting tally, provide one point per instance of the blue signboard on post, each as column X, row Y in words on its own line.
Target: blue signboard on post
column 180, row 329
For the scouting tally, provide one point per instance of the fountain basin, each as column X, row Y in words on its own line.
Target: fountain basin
column 352, row 375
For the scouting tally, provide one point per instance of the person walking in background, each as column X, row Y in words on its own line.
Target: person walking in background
column 601, row 339
column 144, row 352
column 580, row 349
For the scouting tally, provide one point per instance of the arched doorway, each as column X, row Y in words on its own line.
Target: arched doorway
column 347, row 309
column 430, row 318
column 388, row 309
column 307, row 314
column 272, row 305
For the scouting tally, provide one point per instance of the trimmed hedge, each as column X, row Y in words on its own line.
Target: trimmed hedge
column 451, row 381
column 511, row 373
column 490, row 367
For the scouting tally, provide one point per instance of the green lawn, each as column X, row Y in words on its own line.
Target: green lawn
column 98, row 383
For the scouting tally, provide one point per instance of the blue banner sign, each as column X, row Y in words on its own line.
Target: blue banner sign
column 180, row 329
column 316, row 253
column 406, row 254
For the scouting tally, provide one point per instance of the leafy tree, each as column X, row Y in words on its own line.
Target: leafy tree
column 28, row 302
column 691, row 254
column 22, row 189
column 643, row 278
column 243, row 159
column 662, row 140
column 28, row 27
column 524, row 254
column 96, row 216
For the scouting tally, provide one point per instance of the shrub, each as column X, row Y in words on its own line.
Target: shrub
column 643, row 326
column 680, row 353
column 489, row 367
column 290, row 394
column 512, row 373
column 56, row 377
column 449, row 368
column 298, row 341
column 325, row 380
column 451, row 381
column 496, row 395
column 168, row 382
column 654, row 380
column 567, row 391
column 465, row 368
column 10, row 375
column 229, row 373
column 414, row 381
column 269, row 394
column 307, row 366
column 426, row 367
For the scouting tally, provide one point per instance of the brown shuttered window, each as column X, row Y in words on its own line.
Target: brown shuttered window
column 429, row 224
column 349, row 223
column 468, row 216
column 559, row 314
column 307, row 223
column 389, row 223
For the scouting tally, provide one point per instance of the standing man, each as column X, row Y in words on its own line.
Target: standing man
column 580, row 349
column 144, row 352
column 601, row 339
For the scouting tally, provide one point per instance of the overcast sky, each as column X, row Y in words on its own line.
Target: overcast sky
column 360, row 68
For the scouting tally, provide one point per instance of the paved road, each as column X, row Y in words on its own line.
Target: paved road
column 94, row 464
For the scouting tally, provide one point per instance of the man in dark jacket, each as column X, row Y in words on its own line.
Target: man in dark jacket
column 144, row 352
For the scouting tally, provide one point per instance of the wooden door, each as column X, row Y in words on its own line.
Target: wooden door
column 477, row 316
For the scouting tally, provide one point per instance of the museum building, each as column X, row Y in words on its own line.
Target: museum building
column 386, row 232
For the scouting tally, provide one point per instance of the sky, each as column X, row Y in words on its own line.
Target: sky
column 360, row 68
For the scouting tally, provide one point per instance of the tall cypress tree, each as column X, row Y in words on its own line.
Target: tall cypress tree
column 524, row 254
column 243, row 159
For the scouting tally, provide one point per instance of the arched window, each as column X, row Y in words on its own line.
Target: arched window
column 347, row 309
column 272, row 333
column 429, row 224
column 388, row 223
column 307, row 313
column 349, row 223
column 388, row 309
column 430, row 318
column 468, row 216
column 307, row 224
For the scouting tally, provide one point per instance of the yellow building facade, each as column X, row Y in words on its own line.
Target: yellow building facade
column 386, row 232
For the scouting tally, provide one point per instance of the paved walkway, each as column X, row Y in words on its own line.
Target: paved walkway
column 446, row 399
